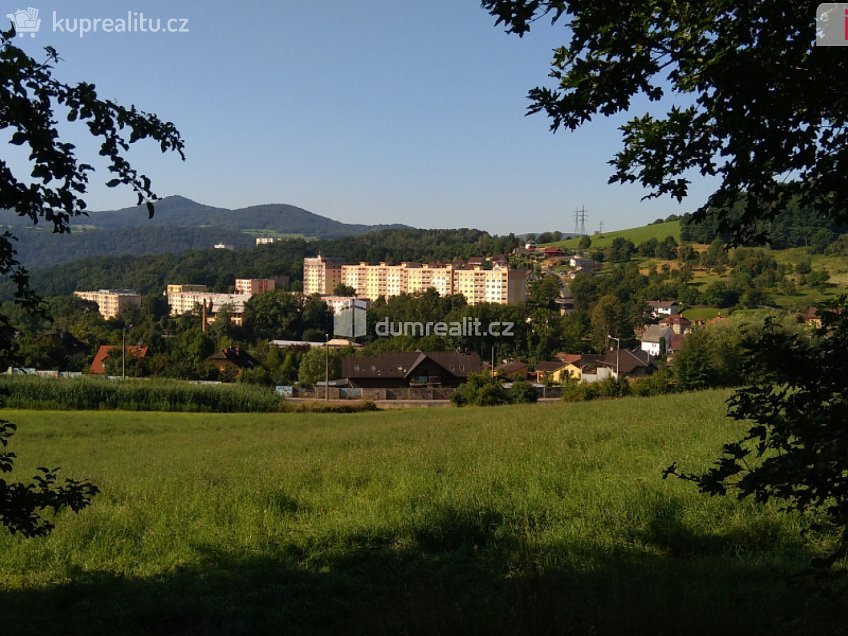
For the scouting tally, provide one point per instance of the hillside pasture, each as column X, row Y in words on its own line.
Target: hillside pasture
column 637, row 234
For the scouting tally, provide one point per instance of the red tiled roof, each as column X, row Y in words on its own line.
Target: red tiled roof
column 98, row 365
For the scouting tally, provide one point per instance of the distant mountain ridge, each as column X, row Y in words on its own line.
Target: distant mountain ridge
column 280, row 218
column 179, row 225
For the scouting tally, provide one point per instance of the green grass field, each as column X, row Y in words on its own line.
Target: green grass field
column 636, row 234
column 545, row 519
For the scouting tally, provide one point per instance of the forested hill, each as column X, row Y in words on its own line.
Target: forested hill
column 179, row 225
column 217, row 268
column 279, row 218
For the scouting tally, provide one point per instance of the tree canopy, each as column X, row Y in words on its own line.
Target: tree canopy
column 753, row 102
column 31, row 100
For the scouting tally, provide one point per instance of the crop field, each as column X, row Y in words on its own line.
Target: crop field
column 552, row 518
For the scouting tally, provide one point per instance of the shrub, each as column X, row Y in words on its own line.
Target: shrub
column 657, row 383
column 480, row 390
column 522, row 392
column 613, row 387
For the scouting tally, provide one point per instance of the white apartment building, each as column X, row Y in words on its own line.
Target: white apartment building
column 500, row 284
column 111, row 302
column 340, row 303
column 182, row 302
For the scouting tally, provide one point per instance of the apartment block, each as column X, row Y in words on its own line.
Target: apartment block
column 321, row 275
column 500, row 284
column 182, row 302
column 340, row 303
column 111, row 302
column 255, row 285
column 178, row 289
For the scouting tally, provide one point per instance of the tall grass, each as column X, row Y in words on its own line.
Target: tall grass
column 30, row 392
column 550, row 518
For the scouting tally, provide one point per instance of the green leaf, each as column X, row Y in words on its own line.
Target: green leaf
column 150, row 209
column 113, row 183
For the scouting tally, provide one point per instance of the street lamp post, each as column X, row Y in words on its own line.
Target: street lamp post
column 617, row 353
column 327, row 367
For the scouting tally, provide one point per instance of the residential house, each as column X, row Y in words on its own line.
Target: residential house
column 73, row 349
column 233, row 360
column 656, row 339
column 554, row 371
column 630, row 364
column 676, row 342
column 663, row 308
column 679, row 325
column 397, row 369
column 98, row 365
column 514, row 370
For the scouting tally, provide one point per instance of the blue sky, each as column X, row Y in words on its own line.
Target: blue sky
column 377, row 111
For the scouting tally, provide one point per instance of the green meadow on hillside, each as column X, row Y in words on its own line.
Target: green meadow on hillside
column 637, row 234
column 552, row 518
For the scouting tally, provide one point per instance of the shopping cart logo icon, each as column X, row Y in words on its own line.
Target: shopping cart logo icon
column 832, row 24
column 25, row 21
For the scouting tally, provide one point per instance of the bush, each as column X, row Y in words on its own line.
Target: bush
column 28, row 392
column 613, row 387
column 574, row 391
column 522, row 392
column 480, row 390
column 657, row 383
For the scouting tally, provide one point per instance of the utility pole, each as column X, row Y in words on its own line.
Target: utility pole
column 124, row 351
column 327, row 367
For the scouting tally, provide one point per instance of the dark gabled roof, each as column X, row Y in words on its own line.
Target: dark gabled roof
column 511, row 367
column 675, row 319
column 237, row 356
column 401, row 364
column 70, row 343
column 628, row 361
column 549, row 366
column 676, row 341
column 665, row 304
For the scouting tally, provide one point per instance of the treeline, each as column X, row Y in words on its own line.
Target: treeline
column 39, row 248
column 794, row 227
column 217, row 268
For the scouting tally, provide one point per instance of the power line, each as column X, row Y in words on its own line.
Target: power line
column 580, row 221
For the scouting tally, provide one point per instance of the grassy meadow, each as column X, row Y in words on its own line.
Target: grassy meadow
column 544, row 519
column 637, row 234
